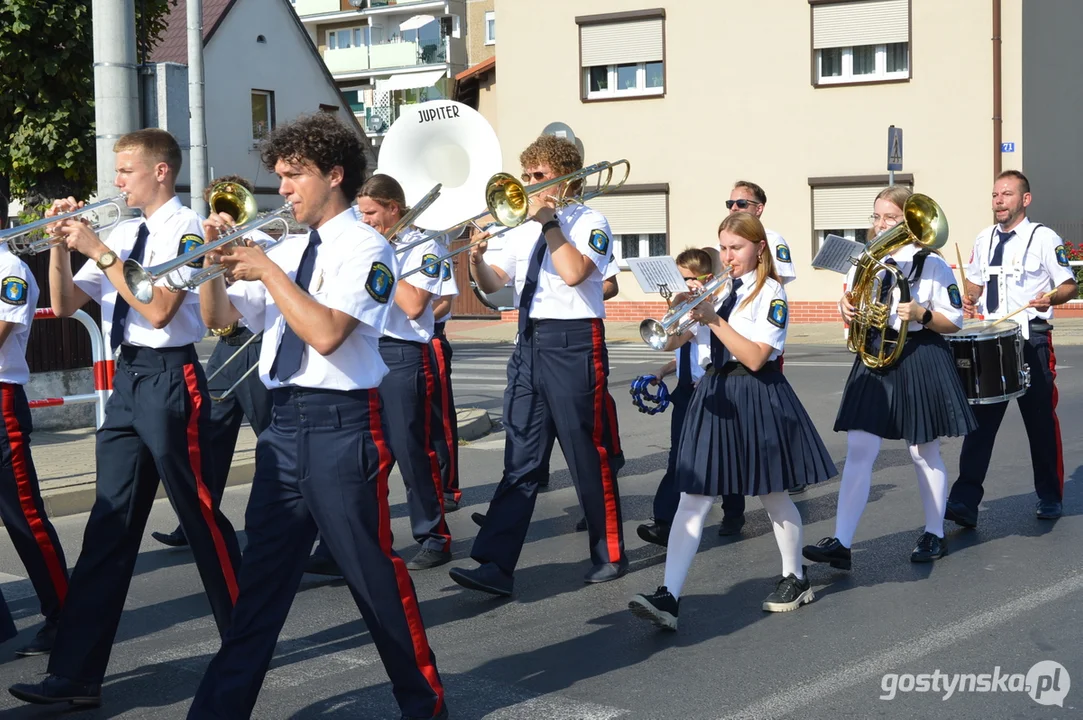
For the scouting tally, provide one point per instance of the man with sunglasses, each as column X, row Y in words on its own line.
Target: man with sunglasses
column 749, row 197
column 557, row 376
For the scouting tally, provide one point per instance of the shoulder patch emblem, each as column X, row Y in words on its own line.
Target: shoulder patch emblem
column 777, row 313
column 599, row 242
column 1062, row 255
column 782, row 252
column 380, row 282
column 955, row 296
column 188, row 243
column 14, row 290
column 430, row 265
column 447, row 271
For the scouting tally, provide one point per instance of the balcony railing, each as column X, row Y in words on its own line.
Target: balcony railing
column 379, row 118
column 384, row 55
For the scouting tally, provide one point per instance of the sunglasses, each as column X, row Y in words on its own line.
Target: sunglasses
column 741, row 204
column 701, row 278
column 537, row 176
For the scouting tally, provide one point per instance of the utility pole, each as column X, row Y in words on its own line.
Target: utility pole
column 197, row 126
column 116, row 84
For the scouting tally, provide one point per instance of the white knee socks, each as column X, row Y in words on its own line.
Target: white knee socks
column 861, row 451
column 684, row 537
column 786, row 522
column 933, row 483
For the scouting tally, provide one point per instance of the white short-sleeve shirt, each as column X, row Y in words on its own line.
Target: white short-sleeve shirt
column 428, row 279
column 780, row 251
column 764, row 319
column 353, row 273
column 174, row 229
column 448, row 286
column 699, row 353
column 18, row 300
column 589, row 231
column 1034, row 260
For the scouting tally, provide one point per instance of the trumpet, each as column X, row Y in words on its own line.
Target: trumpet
column 21, row 239
column 657, row 333
column 225, row 197
column 507, row 201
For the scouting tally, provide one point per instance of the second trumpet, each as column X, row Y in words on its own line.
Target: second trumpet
column 676, row 321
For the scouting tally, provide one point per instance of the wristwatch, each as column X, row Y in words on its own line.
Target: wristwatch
column 927, row 317
column 554, row 223
column 108, row 258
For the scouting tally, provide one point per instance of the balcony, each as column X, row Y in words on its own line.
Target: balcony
column 316, row 7
column 363, row 58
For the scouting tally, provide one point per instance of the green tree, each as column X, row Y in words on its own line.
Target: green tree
column 47, row 93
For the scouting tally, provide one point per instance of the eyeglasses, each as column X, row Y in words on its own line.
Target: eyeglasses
column 892, row 219
column 537, row 176
column 741, row 204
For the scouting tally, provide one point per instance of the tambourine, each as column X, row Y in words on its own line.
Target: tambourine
column 640, row 391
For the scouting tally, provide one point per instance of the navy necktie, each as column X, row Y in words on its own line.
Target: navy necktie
column 992, row 295
column 291, row 349
column 530, row 285
column 684, row 364
column 717, row 349
column 121, row 306
column 887, row 284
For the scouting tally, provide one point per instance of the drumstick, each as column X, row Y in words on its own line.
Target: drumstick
column 962, row 269
column 1051, row 293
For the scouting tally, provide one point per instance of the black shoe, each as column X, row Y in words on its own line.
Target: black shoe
column 543, row 485
column 478, row 518
column 1049, row 509
column 661, row 608
column 320, row 564
column 929, row 548
column 487, row 577
column 173, row 539
column 42, row 644
column 427, row 558
column 828, row 550
column 656, row 533
column 960, row 514
column 441, row 716
column 798, row 490
column 55, row 689
column 789, row 594
column 450, row 503
column 606, row 572
column 731, row 525
column 581, row 526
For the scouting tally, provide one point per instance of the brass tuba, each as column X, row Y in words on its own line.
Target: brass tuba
column 923, row 223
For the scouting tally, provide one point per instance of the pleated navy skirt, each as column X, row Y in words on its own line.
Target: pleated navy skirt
column 918, row 399
column 748, row 434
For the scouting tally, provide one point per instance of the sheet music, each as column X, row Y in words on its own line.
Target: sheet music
column 836, row 253
column 654, row 273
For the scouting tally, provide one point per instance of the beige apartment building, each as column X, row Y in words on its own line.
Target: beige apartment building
column 797, row 96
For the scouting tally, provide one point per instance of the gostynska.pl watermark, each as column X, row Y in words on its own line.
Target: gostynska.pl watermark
column 1046, row 683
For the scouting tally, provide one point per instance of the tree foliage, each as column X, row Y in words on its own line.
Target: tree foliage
column 47, row 93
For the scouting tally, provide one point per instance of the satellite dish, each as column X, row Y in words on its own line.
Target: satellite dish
column 444, row 142
column 561, row 130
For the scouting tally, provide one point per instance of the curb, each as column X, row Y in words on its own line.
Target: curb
column 474, row 423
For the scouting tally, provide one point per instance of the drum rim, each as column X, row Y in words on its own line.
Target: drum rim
column 1011, row 327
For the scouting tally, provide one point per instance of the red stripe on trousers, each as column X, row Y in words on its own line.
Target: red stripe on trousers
column 434, row 461
column 26, row 494
column 612, row 530
column 1056, row 420
column 407, row 596
column 445, row 409
column 614, row 431
column 206, row 502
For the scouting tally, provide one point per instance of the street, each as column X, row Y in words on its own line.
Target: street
column 1006, row 597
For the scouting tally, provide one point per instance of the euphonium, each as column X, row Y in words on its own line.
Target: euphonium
column 923, row 223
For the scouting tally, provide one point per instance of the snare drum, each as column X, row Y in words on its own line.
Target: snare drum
column 989, row 359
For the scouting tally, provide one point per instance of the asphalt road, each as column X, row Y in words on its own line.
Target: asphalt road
column 1006, row 598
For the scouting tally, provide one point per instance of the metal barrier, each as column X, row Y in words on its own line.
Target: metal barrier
column 103, row 368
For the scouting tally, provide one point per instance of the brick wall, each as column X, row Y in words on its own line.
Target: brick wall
column 800, row 312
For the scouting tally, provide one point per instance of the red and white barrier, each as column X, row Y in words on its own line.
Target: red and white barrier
column 103, row 368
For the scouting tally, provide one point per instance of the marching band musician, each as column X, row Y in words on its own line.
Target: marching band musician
column 250, row 399
column 557, row 375
column 746, row 431
column 323, row 299
column 156, row 420
column 21, row 506
column 1016, row 264
column 446, row 437
column 920, row 398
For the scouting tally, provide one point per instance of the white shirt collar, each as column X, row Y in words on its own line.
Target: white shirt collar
column 158, row 220
column 339, row 224
column 1020, row 229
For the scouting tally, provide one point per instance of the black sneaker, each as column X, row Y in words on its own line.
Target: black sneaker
column 1049, row 509
column 42, row 644
column 929, row 548
column 789, row 594
column 656, row 533
column 450, row 503
column 428, row 558
column 173, row 539
column 960, row 514
column 828, row 550
column 55, row 689
column 731, row 525
column 661, row 608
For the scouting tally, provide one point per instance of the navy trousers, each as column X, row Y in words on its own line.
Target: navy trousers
column 156, row 424
column 7, row 624
column 322, row 466
column 446, row 434
column 21, row 507
column 1038, row 407
column 407, row 393
column 557, row 386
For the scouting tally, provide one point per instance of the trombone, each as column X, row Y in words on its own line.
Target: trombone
column 406, row 220
column 231, row 358
column 141, row 280
column 507, row 201
column 21, row 241
column 657, row 333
